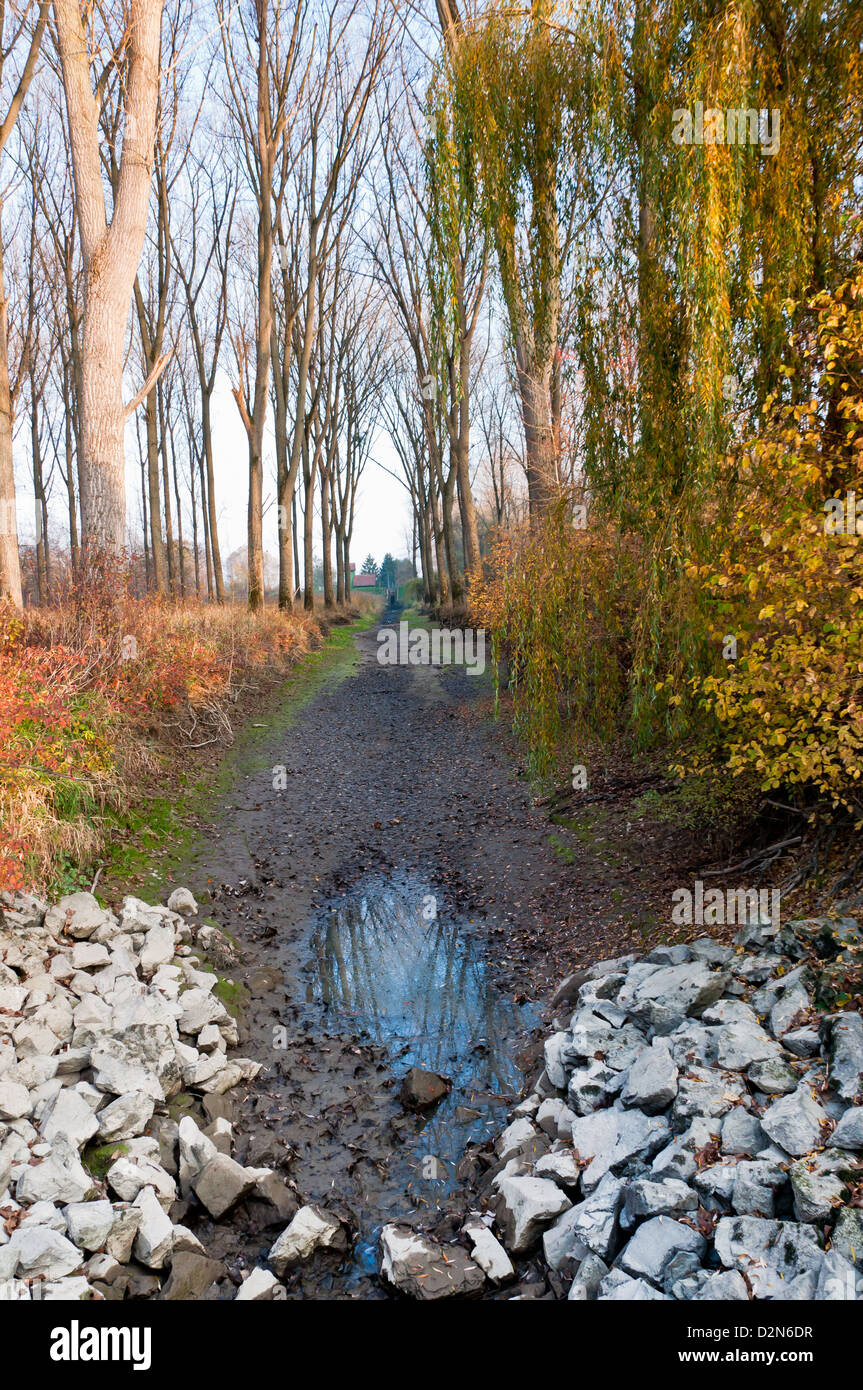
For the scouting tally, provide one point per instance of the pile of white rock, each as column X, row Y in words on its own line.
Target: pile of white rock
column 696, row 1133
column 103, row 1019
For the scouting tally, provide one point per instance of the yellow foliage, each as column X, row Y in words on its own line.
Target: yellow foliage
column 790, row 707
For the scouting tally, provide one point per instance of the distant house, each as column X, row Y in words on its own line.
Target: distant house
column 370, row 584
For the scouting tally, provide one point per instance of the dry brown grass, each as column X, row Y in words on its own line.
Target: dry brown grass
column 97, row 698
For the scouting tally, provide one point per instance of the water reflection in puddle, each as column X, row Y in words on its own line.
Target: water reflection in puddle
column 388, row 961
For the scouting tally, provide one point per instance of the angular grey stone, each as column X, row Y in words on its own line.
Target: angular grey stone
column 561, row 1167
column 557, row 1058
column 44, row 1252
column 846, row 1056
column 222, row 1183
column 802, row 1042
column 668, row 995
column 260, row 1287
column 425, row 1270
column 554, row 1118
column 795, row 1122
column 610, row 1137
column 726, row 1011
column 622, row 1047
column 711, row 952
column 88, row 1224
column 838, row 1281
column 847, row 1238
column 560, row 1245
column 756, row 1186
column 158, row 948
column 817, row 1193
column 766, row 997
column 694, row 1044
column 791, row 1002
column 769, row 1285
column 647, row 1197
column 60, row 1177
column 589, row 1276
column 727, row 1286
column 14, row 1100
column 848, row 1134
column 78, row 915
column 510, row 1142
column 119, row 1069
column 651, row 1082
column 741, row 1242
column 620, row 1287
column 526, row 1206
column 182, row 901
column 716, row 1181
column 669, row 955
column 132, row 1172
column 488, row 1253
column 122, row 1235
column 653, row 1245
column 87, row 955
column 154, row 1240
column 592, row 1086
column 313, row 1228
column 740, row 1044
column 71, row 1115
column 774, row 1077
column 595, row 1222
column 192, row 1275
column 682, row 1275
column 199, row 1007
column 677, row 1159
column 67, row 1290
column 705, row 1091
column 742, row 1132
column 126, row 1116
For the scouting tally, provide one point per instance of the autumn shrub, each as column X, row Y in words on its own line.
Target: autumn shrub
column 787, row 582
column 558, row 602
column 740, row 653
column 96, row 691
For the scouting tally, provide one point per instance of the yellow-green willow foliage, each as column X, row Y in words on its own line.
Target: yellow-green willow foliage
column 520, row 98
column 734, row 238
column 692, row 258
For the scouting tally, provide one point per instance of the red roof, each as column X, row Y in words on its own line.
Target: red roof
column 365, row 581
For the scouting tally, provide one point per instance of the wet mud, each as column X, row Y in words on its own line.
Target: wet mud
column 372, row 870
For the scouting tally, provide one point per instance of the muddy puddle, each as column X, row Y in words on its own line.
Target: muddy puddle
column 383, row 978
column 370, row 897
column 386, row 964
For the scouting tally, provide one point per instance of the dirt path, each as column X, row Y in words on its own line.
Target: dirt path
column 398, row 900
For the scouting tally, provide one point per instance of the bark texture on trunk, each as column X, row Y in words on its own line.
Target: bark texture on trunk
column 10, row 568
column 111, row 251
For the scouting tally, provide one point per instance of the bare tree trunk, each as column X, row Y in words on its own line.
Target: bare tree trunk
column 10, row 566
column 308, row 522
column 329, row 593
column 341, row 578
column 111, row 252
column 206, row 527
column 70, row 472
column 41, row 512
column 296, row 544
column 212, row 521
column 150, row 356
column 166, row 492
